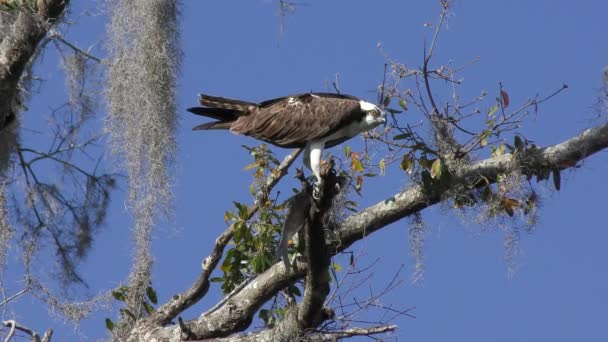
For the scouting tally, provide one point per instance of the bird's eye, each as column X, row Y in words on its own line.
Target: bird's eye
column 374, row 112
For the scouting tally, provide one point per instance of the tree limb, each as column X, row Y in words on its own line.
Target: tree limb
column 235, row 315
column 416, row 198
column 199, row 289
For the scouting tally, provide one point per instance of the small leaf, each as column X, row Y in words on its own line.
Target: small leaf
column 120, row 294
column 406, row 163
column 356, row 164
column 127, row 313
column 109, row 324
column 216, row 279
column 498, row 151
column 382, row 166
column 557, row 179
column 403, row 104
column 251, row 166
column 401, row 136
column 436, row 169
column 519, row 143
column 359, row 184
column 336, row 267
column 151, row 295
column 347, row 151
column 264, row 315
column 483, row 138
column 505, row 98
column 149, row 308
column 493, row 110
column 510, row 204
column 229, row 215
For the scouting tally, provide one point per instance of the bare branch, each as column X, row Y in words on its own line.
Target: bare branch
column 35, row 336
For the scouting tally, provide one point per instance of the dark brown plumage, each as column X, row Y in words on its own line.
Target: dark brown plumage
column 290, row 121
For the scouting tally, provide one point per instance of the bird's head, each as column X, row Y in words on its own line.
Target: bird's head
column 374, row 115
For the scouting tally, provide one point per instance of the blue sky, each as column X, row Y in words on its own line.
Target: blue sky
column 235, row 49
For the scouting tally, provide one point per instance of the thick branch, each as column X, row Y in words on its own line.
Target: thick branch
column 310, row 310
column 416, row 198
column 199, row 289
column 23, row 29
column 237, row 312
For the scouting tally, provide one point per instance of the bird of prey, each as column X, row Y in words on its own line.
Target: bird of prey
column 313, row 121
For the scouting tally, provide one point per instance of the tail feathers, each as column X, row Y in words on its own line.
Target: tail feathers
column 221, row 114
column 213, row 125
column 222, row 102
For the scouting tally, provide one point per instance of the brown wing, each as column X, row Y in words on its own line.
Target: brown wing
column 294, row 121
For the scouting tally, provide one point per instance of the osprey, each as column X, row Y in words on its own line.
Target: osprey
column 313, row 121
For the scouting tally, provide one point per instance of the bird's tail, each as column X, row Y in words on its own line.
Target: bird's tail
column 224, row 110
column 224, row 103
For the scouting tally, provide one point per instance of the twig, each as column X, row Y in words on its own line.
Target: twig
column 16, row 295
column 53, row 34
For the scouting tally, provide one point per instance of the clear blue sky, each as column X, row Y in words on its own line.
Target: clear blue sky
column 560, row 292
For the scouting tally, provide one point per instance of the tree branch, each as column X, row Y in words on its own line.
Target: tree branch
column 311, row 310
column 417, row 198
column 199, row 289
column 35, row 336
column 236, row 314
column 23, row 31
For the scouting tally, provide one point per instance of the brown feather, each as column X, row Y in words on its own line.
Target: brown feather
column 294, row 124
column 213, row 125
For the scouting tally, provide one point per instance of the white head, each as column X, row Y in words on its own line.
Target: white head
column 375, row 116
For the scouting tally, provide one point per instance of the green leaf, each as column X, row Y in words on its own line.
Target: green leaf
column 151, row 295
column 264, row 315
column 493, row 109
column 347, row 151
column 356, row 164
column 382, row 166
column 216, row 279
column 120, row 294
column 436, row 169
column 483, row 141
column 149, row 308
column 393, row 111
column 402, row 136
column 126, row 312
column 403, row 104
column 336, row 267
column 407, row 164
column 109, row 324
column 498, row 151
column 242, row 208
